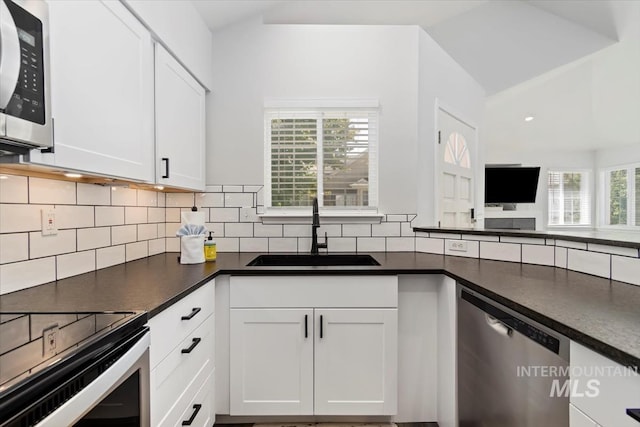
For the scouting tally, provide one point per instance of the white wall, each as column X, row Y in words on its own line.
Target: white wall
column 442, row 79
column 253, row 61
column 617, row 156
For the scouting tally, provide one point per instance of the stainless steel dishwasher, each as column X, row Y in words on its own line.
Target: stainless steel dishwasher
column 512, row 371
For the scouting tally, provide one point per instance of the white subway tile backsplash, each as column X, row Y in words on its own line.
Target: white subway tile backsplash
column 123, row 234
column 297, row 230
column 69, row 216
column 43, row 246
column 396, row 218
column 261, row 230
column 135, row 215
column 238, row 200
column 172, row 214
column 429, row 245
column 109, row 215
column 238, row 229
column 224, row 214
column 180, row 200
column 217, row 228
column 304, row 244
column 75, row 263
column 356, row 230
column 156, row 215
column 254, row 244
column 162, row 200
column 527, row 240
column 252, row 188
column 283, row 244
column 156, row 246
column 232, row 188
column 500, row 251
column 561, row 257
column 228, row 244
column 625, row 269
column 14, row 247
column 448, row 236
column 538, row 254
column 213, row 189
column 137, row 250
column 371, row 244
column 93, row 195
column 171, row 228
column 45, row 191
column 17, row 218
column 92, row 238
column 173, row 244
column 615, row 250
column 147, row 231
column 551, row 242
column 248, row 215
column 401, row 244
column 385, row 229
column 473, row 248
column 342, row 244
column 210, row 200
column 480, row 237
column 121, row 196
column 162, row 230
column 589, row 262
column 406, row 230
column 14, row 189
column 25, row 274
column 147, row 198
column 332, row 230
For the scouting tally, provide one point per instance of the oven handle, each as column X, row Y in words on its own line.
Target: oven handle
column 10, row 59
column 79, row 405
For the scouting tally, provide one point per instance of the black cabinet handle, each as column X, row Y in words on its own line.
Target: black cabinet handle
column 166, row 167
column 321, row 326
column 194, row 414
column 194, row 311
column 634, row 413
column 194, row 343
column 306, row 330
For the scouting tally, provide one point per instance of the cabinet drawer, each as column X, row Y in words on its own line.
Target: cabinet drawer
column 176, row 322
column 176, row 371
column 314, row 291
column 199, row 392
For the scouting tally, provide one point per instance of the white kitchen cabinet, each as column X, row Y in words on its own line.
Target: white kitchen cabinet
column 577, row 418
column 313, row 345
column 180, row 125
column 602, row 389
column 101, row 90
column 272, row 366
column 355, row 361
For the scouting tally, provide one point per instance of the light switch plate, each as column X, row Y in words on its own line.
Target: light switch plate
column 457, row 245
column 49, row 226
column 50, row 341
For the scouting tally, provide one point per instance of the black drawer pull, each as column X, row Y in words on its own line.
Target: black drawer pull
column 194, row 343
column 166, row 170
column 194, row 311
column 194, row 414
column 306, row 328
column 321, row 326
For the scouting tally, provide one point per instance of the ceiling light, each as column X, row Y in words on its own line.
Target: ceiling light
column 528, row 118
column 158, row 187
column 72, row 175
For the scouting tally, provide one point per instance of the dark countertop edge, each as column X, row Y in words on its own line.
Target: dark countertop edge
column 598, row 346
column 530, row 234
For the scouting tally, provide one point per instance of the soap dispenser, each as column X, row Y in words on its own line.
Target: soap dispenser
column 210, row 251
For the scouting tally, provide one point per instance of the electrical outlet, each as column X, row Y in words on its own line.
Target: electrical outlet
column 49, row 226
column 457, row 245
column 50, row 341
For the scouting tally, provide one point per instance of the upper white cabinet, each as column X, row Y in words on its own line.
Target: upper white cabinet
column 102, row 90
column 180, row 125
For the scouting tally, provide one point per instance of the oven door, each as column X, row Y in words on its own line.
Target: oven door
column 117, row 397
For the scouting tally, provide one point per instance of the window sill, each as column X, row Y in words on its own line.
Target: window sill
column 326, row 217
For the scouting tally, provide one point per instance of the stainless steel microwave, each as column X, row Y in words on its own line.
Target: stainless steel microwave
column 25, row 107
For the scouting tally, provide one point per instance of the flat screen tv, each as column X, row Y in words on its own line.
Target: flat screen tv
column 510, row 184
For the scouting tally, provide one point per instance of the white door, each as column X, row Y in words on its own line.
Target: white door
column 180, row 125
column 356, row 361
column 271, row 362
column 102, row 90
column 455, row 160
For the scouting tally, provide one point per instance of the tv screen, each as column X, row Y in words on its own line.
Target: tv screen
column 510, row 184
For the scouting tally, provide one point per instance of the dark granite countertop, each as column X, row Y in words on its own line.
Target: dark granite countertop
column 601, row 314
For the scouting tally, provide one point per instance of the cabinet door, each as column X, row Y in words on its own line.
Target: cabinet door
column 356, row 361
column 271, row 362
column 102, row 90
column 180, row 125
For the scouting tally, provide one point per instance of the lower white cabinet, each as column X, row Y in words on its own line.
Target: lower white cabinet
column 313, row 360
column 602, row 390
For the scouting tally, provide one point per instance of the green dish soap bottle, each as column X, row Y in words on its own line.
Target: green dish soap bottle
column 210, row 251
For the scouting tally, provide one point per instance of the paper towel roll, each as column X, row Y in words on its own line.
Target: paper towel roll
column 196, row 218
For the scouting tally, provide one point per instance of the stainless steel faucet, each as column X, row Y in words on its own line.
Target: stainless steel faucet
column 314, row 231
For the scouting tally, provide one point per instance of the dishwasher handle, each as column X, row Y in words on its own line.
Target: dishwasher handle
column 498, row 326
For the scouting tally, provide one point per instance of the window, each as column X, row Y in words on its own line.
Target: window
column 569, row 198
column 326, row 154
column 622, row 196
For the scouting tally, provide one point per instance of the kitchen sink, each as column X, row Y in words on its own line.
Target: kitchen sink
column 307, row 260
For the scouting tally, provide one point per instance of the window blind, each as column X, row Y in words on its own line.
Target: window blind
column 569, row 198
